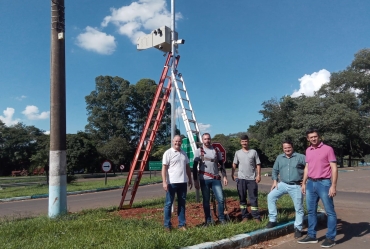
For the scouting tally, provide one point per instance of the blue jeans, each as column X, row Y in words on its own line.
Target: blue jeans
column 180, row 189
column 316, row 190
column 205, row 186
column 297, row 197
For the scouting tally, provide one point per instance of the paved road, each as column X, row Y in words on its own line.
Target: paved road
column 352, row 205
column 76, row 203
column 351, row 187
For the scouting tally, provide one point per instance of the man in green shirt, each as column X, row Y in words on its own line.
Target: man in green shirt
column 290, row 167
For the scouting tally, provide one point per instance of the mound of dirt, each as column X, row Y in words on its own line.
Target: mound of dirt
column 194, row 213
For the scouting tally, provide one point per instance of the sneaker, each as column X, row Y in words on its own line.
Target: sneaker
column 167, row 229
column 297, row 233
column 271, row 224
column 307, row 240
column 182, row 228
column 328, row 243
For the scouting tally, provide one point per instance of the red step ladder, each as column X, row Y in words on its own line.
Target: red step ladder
column 149, row 133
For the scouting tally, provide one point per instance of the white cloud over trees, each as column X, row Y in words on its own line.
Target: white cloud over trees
column 311, row 83
column 32, row 113
column 7, row 119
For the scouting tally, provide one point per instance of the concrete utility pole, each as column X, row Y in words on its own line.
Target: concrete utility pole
column 173, row 92
column 57, row 160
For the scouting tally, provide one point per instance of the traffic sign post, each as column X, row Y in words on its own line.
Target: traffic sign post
column 154, row 165
column 106, row 167
column 221, row 149
column 122, row 167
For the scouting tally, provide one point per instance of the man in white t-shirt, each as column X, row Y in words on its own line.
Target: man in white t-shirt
column 175, row 175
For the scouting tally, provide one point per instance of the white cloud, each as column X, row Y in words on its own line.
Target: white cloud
column 32, row 113
column 311, row 83
column 178, row 112
column 47, row 132
column 20, row 98
column 204, row 127
column 94, row 40
column 8, row 117
column 140, row 16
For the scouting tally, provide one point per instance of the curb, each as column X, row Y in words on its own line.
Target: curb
column 20, row 198
column 248, row 239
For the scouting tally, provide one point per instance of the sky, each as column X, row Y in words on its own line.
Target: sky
column 237, row 54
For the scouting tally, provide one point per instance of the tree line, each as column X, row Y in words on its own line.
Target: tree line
column 117, row 111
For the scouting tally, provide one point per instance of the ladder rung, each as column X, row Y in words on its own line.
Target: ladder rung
column 185, row 99
column 182, row 90
column 192, row 121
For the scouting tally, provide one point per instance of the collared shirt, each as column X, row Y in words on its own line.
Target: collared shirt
column 319, row 160
column 176, row 162
column 290, row 169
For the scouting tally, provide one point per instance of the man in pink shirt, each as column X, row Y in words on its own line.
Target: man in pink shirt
column 320, row 182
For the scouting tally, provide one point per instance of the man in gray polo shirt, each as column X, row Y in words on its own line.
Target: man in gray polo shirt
column 249, row 175
column 290, row 167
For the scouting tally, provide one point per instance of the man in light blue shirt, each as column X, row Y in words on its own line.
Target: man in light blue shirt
column 289, row 167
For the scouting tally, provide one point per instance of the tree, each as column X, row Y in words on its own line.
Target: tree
column 108, row 109
column 82, row 153
column 18, row 144
column 141, row 98
column 117, row 114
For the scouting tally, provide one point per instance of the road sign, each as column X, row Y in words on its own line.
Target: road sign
column 185, row 146
column 106, row 166
column 221, row 149
column 155, row 165
column 122, row 167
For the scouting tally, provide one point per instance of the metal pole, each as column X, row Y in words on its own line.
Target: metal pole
column 173, row 92
column 57, row 168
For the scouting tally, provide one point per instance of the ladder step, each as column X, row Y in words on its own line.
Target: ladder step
column 192, row 121
column 185, row 99
column 182, row 90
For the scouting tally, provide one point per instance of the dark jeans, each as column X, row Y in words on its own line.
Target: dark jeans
column 252, row 187
column 180, row 189
column 215, row 185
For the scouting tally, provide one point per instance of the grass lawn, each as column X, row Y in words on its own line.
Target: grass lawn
column 104, row 228
column 75, row 186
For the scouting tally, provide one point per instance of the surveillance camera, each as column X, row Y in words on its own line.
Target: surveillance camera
column 180, row 41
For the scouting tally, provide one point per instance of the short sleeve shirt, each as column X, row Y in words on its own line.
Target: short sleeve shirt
column 209, row 164
column 176, row 161
column 247, row 162
column 319, row 159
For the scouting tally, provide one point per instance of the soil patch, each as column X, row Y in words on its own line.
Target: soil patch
column 194, row 213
